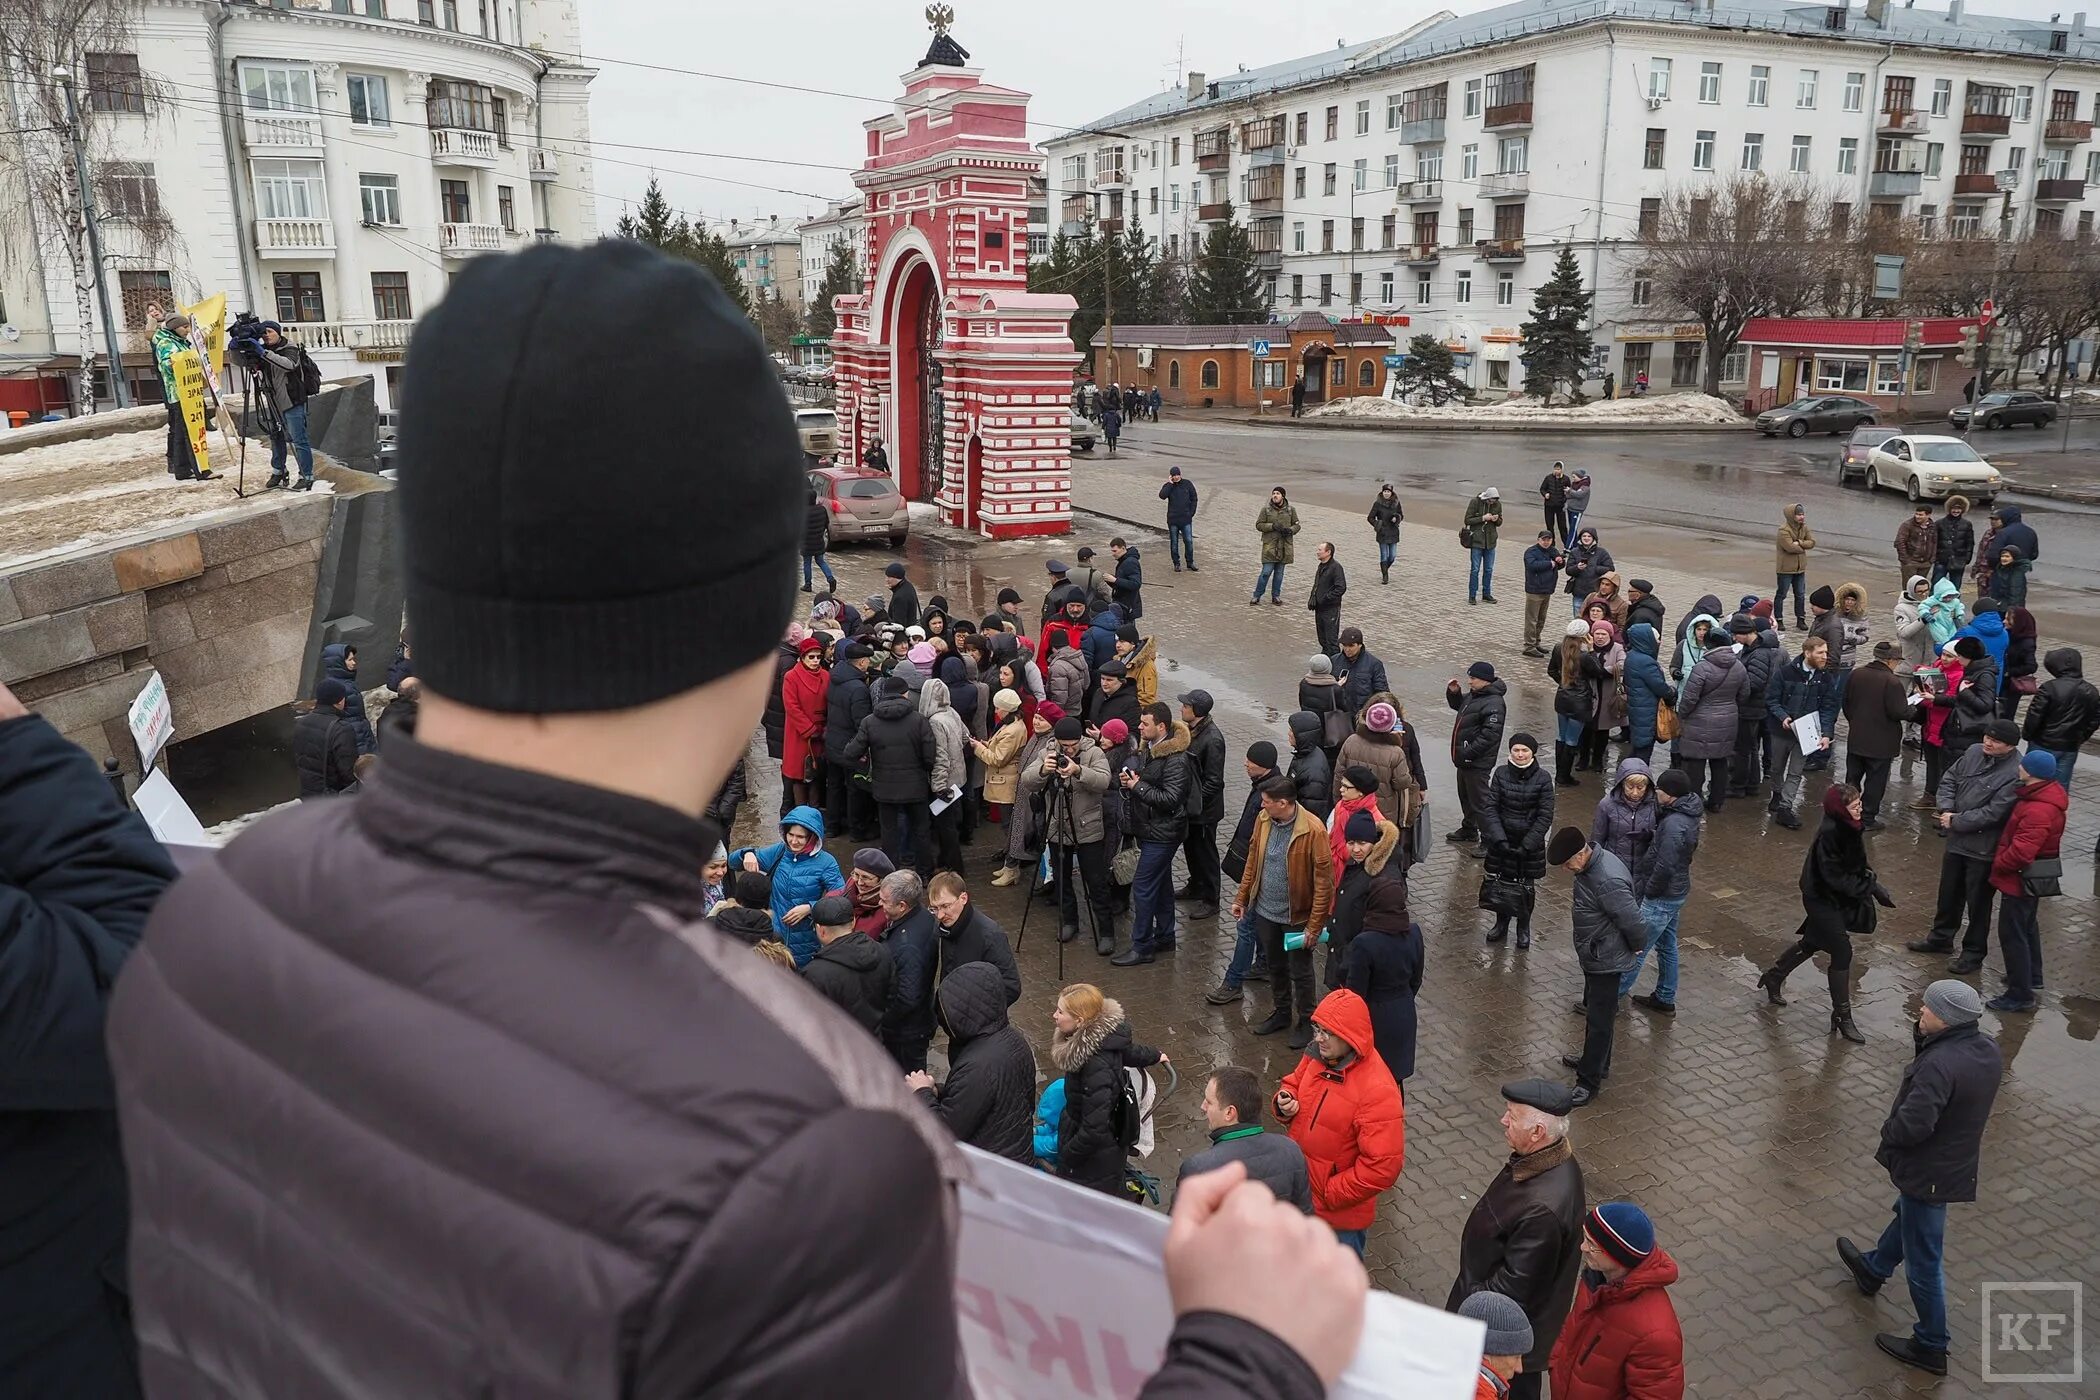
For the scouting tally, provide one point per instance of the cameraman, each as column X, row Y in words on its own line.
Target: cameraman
column 1074, row 776
column 289, row 375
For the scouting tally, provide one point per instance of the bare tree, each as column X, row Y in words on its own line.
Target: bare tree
column 1724, row 251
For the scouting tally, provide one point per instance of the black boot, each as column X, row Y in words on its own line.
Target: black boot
column 1385, row 573
column 1841, row 1007
column 1775, row 976
column 1563, row 765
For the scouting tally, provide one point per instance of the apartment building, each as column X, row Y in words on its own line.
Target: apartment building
column 1435, row 174
column 329, row 164
column 842, row 222
column 767, row 255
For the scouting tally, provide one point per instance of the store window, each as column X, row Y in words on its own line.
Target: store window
column 1837, row 374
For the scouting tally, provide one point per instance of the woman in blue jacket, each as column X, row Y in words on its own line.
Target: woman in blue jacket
column 1988, row 627
column 1646, row 686
column 803, row 872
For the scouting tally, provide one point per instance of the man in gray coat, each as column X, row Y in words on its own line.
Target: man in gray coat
column 1609, row 936
column 1976, row 796
column 1232, row 1103
column 1073, row 777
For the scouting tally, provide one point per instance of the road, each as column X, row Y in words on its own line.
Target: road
column 1684, row 497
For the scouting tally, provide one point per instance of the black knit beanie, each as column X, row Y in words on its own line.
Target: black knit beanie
column 588, row 525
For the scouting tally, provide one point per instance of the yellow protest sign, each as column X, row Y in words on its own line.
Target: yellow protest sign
column 189, row 392
column 208, row 329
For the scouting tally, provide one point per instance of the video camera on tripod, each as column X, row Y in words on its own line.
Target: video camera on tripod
column 244, row 341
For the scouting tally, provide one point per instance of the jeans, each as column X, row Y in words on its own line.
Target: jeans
column 1965, row 886
column 1660, row 916
column 1940, row 571
column 1600, row 1007
column 822, row 563
column 1152, row 898
column 1271, row 577
column 2020, row 942
column 907, row 835
column 1915, row 1240
column 1244, row 947
column 2066, row 760
column 1799, row 583
column 1181, row 540
column 1567, row 731
column 1480, row 573
column 1574, row 526
column 1355, row 1239
column 295, row 432
column 1200, row 850
column 1871, row 777
column 1290, row 972
column 1386, row 552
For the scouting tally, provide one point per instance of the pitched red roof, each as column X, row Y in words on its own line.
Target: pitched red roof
column 1941, row 332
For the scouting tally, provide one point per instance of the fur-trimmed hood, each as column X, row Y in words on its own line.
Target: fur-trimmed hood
column 1069, row 1052
column 1382, row 849
column 1177, row 741
column 1854, row 594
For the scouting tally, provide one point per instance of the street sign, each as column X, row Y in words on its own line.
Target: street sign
column 1395, row 361
column 1988, row 313
column 1261, row 349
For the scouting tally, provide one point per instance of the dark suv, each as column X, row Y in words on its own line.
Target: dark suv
column 2008, row 408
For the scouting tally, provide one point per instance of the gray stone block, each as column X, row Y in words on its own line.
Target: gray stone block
column 10, row 611
column 86, row 707
column 269, row 562
column 168, row 625
column 118, row 625
column 308, row 520
column 238, row 539
column 63, row 587
column 43, row 645
column 238, row 604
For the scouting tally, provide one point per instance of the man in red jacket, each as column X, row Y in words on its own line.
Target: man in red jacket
column 2034, row 831
column 1345, row 1114
column 1621, row 1341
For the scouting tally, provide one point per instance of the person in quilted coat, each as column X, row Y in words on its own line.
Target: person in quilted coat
column 1622, row 1340
column 1345, row 1114
column 988, row 1098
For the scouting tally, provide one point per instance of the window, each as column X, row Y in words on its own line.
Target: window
column 1465, row 226
column 2092, row 167
column 1392, row 169
column 1209, row 377
column 1356, row 289
column 1297, row 185
column 1272, row 373
column 2017, row 161
column 1506, row 289
column 1652, row 152
column 289, row 189
column 1326, row 235
column 506, row 209
column 368, row 104
column 1385, row 289
column 1966, row 220
column 1658, row 79
column 1709, row 82
column 1848, row 155
column 1360, row 174
column 1684, row 364
column 1463, row 287
column 1173, row 244
column 275, row 88
column 1297, row 289
column 1471, row 107
column 1298, row 236
column 426, row 12
column 1924, row 373
column 1304, row 118
column 2049, row 223
column 1173, row 374
column 1735, row 366
column 1975, row 160
column 1753, row 150
column 499, row 119
column 1805, row 90
column 1898, row 94
column 299, row 297
column 139, row 289
column 1888, row 377
column 1836, row 374
column 115, row 83
column 1514, row 154
column 1424, row 284
column 1797, row 159
column 1174, row 199
column 1366, row 373
column 1696, row 215
column 1356, row 235
column 1509, row 222
column 1388, row 230
column 1703, row 151
column 380, row 196
column 1334, row 122
column 1942, row 96
column 1337, row 371
column 1636, row 358
column 1935, row 153
column 462, row 106
column 1928, row 219
column 1469, row 163
column 1363, row 116
column 1327, row 178
column 1152, row 200
column 1326, row 289
column 1425, row 230
column 1392, row 112
column 1429, row 163
column 1840, row 219
column 1651, row 217
column 1643, row 287
column 390, row 296
column 454, row 205
column 1760, row 85
column 126, row 189
column 1855, row 91
column 2023, row 104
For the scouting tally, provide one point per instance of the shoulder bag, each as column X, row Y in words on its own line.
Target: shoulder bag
column 2043, row 878
column 1666, row 724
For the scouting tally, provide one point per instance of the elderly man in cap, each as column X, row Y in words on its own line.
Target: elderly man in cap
column 1609, row 937
column 1976, row 796
column 1503, row 1346
column 1622, row 1338
column 850, row 969
column 1207, row 768
column 1931, row 1145
column 1476, row 743
column 1524, row 1237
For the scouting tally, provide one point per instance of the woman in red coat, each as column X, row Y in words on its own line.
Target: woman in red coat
column 802, row 694
column 1621, row 1341
column 1345, row 1114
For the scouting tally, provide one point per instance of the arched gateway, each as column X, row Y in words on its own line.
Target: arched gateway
column 945, row 354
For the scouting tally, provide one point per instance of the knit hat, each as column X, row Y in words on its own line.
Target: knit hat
column 1319, row 666
column 1675, row 782
column 1762, row 610
column 1009, row 595
column 1361, row 826
column 832, row 911
column 1068, row 729
column 1051, row 711
column 1576, row 628
column 2038, row 763
column 808, row 645
column 1527, row 740
column 1115, row 732
column 1381, row 717
column 534, row 589
column 1564, row 846
column 2004, row 731
column 1363, row 777
column 1508, row 1330
column 1006, row 702
column 893, row 570
column 1984, row 605
column 1886, row 651
column 1261, row 753
column 1173, row 471
column 751, row 888
column 1128, row 633
column 1623, row 1230
column 1968, row 648
column 915, row 632
column 1822, row 598
column 1481, row 671
column 874, row 860
column 329, row 693
column 1743, row 625
column 1955, row 1002
column 923, row 655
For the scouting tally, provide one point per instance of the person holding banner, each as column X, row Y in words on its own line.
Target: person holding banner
column 170, row 343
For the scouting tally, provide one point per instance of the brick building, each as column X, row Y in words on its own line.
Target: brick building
column 1214, row 366
column 1790, row 359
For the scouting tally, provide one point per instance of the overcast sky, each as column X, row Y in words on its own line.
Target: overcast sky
column 796, row 149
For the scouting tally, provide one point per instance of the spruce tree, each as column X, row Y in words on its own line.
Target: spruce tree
column 655, row 223
column 1429, row 372
column 1225, row 285
column 1556, row 344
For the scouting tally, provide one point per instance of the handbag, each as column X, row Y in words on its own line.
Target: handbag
column 1465, row 537
column 1122, row 868
column 1501, row 895
column 1667, row 726
column 2043, row 878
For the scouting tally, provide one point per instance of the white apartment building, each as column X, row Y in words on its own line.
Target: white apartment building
column 767, row 255
column 329, row 164
column 841, row 222
column 1434, row 174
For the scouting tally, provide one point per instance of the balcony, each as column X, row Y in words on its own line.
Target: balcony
column 276, row 134
column 1213, row 213
column 1904, row 121
column 1501, row 249
column 1111, row 176
column 1986, row 123
column 2067, row 131
column 1979, row 182
column 1268, row 259
column 1072, row 228
column 1267, row 158
column 1263, row 135
column 1506, row 184
column 466, row 240
column 1419, row 192
column 1420, row 130
column 2059, row 191
column 352, row 335
column 1214, row 148
column 1111, row 226
column 457, row 145
column 1419, row 255
column 541, row 163
column 295, row 238
column 1509, row 116
column 1898, row 183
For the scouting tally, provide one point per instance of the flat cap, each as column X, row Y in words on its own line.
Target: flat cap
column 1545, row 1095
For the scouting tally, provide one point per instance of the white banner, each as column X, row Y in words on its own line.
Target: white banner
column 152, row 720
column 1060, row 1292
column 164, row 810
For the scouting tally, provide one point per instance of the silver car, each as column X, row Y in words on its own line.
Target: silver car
column 1827, row 413
column 863, row 505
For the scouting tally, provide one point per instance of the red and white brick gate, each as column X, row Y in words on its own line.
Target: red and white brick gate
column 945, row 354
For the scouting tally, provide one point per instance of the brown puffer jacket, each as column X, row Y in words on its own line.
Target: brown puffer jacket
column 419, row 1098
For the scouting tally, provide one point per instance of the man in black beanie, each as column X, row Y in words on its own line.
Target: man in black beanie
column 456, row 1092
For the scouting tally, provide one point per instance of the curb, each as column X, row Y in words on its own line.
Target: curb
column 2076, row 495
column 1402, row 425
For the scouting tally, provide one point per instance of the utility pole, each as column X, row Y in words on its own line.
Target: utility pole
column 1108, row 308
column 119, row 390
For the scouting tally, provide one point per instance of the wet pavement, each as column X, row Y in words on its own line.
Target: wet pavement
column 1746, row 1132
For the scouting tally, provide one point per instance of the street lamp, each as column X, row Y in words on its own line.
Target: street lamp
column 119, row 390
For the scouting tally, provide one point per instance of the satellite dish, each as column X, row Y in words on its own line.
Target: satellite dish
column 10, row 333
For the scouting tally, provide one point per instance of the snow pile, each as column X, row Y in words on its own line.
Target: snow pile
column 225, row 831
column 1661, row 408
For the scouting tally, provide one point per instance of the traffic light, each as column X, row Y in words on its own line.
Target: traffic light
column 1967, row 357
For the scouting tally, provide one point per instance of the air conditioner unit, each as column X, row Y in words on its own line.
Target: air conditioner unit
column 1145, row 357
column 1655, row 104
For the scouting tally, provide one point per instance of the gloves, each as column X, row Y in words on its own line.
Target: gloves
column 1882, row 896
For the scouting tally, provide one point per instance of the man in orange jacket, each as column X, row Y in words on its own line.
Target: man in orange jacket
column 1344, row 1112
column 1621, row 1341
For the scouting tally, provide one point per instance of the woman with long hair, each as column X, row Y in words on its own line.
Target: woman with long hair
column 1838, row 895
column 1575, row 670
column 1091, row 1044
column 1001, row 757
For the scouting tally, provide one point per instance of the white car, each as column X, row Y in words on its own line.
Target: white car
column 1926, row 467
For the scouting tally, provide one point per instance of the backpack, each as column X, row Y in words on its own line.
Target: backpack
column 309, row 380
column 1129, row 1115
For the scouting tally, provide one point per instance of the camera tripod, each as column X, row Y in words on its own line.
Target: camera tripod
column 1057, row 814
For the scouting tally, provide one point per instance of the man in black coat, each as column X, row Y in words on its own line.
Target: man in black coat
column 1207, row 767
column 1956, row 539
column 1180, row 495
column 1553, row 493
column 1114, row 697
column 1643, row 605
column 897, row 742
column 1524, row 1237
column 2065, row 711
column 904, row 598
column 1329, row 584
column 914, row 941
column 848, row 809
column 1476, row 742
column 78, row 875
column 968, row 935
column 850, row 969
column 1128, row 588
column 988, row 1098
column 1932, row 1146
column 324, row 746
column 1361, row 673
column 1157, row 782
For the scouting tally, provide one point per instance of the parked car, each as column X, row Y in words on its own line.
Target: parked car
column 863, row 505
column 1927, row 467
column 1082, row 434
column 1830, row 413
column 819, row 429
column 1858, row 451
column 2008, row 408
column 389, row 426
